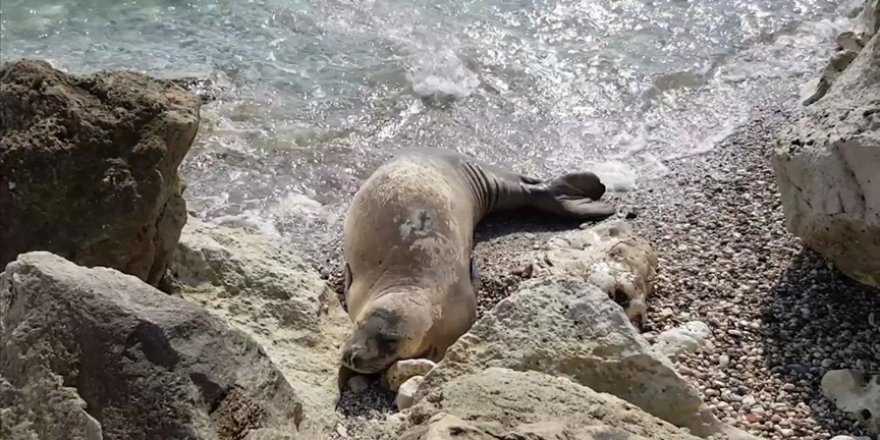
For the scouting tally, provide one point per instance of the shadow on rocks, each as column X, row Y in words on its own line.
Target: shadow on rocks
column 499, row 240
column 521, row 221
column 817, row 320
column 371, row 403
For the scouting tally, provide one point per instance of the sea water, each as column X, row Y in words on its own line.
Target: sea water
column 315, row 94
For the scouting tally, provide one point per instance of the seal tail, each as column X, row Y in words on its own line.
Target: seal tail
column 573, row 195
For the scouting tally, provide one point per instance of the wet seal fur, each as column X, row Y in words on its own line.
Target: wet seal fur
column 410, row 279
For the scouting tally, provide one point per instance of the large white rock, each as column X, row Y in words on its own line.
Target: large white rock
column 500, row 403
column 98, row 354
column 567, row 327
column 856, row 393
column 827, row 166
column 252, row 281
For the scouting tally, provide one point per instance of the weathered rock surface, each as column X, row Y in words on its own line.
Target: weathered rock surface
column 827, row 165
column 610, row 256
column 253, row 282
column 97, row 354
column 856, row 393
column 850, row 44
column 500, row 403
column 569, row 328
column 88, row 166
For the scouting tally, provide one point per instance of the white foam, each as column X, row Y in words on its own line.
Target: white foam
column 298, row 209
column 442, row 75
column 616, row 175
column 251, row 219
column 711, row 141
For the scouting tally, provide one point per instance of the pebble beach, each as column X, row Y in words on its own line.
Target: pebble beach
column 780, row 315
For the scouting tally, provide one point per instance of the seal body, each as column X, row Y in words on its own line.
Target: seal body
column 408, row 241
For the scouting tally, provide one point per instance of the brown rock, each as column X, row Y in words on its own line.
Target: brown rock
column 89, row 166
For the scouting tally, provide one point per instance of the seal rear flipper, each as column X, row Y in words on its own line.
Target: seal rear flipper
column 586, row 209
column 575, row 195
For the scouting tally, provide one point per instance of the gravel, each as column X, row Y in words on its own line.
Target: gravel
column 780, row 315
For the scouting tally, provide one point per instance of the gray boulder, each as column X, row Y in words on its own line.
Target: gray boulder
column 566, row 327
column 88, row 166
column 827, row 166
column 97, row 354
column 265, row 289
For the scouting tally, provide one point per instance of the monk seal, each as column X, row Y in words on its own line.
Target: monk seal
column 410, row 278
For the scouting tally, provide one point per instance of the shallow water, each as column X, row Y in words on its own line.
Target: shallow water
column 318, row 92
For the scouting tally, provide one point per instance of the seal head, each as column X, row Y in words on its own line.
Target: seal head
column 394, row 327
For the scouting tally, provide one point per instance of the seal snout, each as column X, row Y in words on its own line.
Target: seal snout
column 350, row 356
column 356, row 358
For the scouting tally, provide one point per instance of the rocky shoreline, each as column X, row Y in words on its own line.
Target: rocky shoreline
column 697, row 312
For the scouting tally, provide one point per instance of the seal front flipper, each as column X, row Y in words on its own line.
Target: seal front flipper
column 347, row 280
column 575, row 195
column 475, row 273
column 342, row 381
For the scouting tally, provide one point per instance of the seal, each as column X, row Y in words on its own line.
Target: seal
column 410, row 277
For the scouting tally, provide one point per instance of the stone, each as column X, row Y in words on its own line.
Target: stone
column 358, row 383
column 98, row 354
column 848, row 41
column 690, row 337
column 851, row 43
column 406, row 392
column 247, row 278
column 499, row 403
column 826, row 166
column 567, row 327
column 610, row 256
column 856, row 393
column 402, row 370
column 89, row 166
